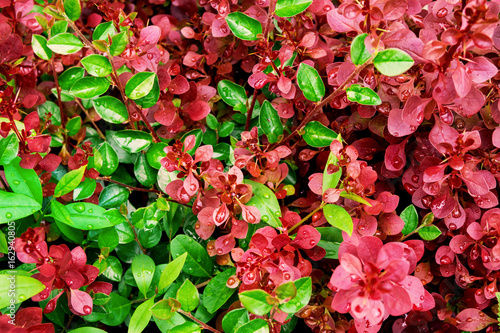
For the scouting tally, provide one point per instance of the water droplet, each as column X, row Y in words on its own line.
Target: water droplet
column 90, row 226
column 87, row 309
column 16, row 182
column 90, row 211
column 266, row 196
column 265, row 218
column 278, row 213
column 22, row 297
column 8, row 215
column 80, row 208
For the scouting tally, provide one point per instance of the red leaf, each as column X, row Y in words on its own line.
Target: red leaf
column 80, row 303
column 307, row 237
column 198, row 110
column 179, row 85
column 149, row 37
column 395, row 157
column 481, row 69
column 473, row 320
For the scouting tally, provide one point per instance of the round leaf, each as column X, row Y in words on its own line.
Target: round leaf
column 243, row 26
column 270, row 122
column 26, row 287
column 362, row 95
column 198, row 263
column 338, row 217
column 140, row 85
column 89, row 87
column 267, row 203
column 318, row 135
column 97, row 65
column 143, row 268
column 65, row 43
column 288, row 8
column 359, row 52
column 392, row 62
column 14, row 206
column 39, row 45
column 310, row 83
column 111, row 109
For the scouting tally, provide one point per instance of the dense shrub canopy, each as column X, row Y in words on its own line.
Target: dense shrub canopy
column 249, row 166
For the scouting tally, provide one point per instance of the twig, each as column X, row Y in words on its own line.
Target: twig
column 203, row 284
column 135, row 235
column 249, row 113
column 156, row 139
column 202, row 324
column 101, row 135
column 131, row 188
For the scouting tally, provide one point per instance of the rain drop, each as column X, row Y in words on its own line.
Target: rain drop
column 80, row 208
column 8, row 215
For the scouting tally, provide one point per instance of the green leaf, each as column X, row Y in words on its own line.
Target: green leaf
column 267, row 203
column 73, row 9
column 143, row 172
column 212, row 121
column 69, row 181
column 198, row 263
column 85, row 189
column 354, row 197
column 117, row 309
column 109, row 159
column 113, row 196
column 286, row 291
column 87, row 216
column 65, row 43
column 330, row 240
column 39, row 45
column 103, row 30
column 25, row 288
column 331, row 180
column 393, row 62
column 270, row 122
column 88, row 329
column 108, row 238
column 9, row 147
column 23, row 181
column 233, row 95
column 310, row 83
column 59, row 27
column 152, row 97
column 50, row 107
column 14, row 206
column 338, row 217
column 133, row 141
column 60, row 213
column 216, row 292
column 188, row 296
column 111, row 109
column 97, row 65
column 318, row 135
column 289, row 8
column 114, row 269
column 234, row 319
column 4, row 247
column 256, row 301
column 155, row 153
column 429, row 233
column 359, row 52
column 73, row 126
column 243, row 26
column 362, row 95
column 255, row 326
column 140, row 85
column 143, row 268
column 410, row 217
column 118, row 44
column 68, row 78
column 302, row 297
column 226, row 128
column 172, row 271
column 89, row 87
column 141, row 317
column 166, row 308
column 187, row 327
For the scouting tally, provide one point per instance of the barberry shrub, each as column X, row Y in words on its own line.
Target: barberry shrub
column 249, row 166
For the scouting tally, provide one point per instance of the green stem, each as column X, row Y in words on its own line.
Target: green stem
column 307, row 217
